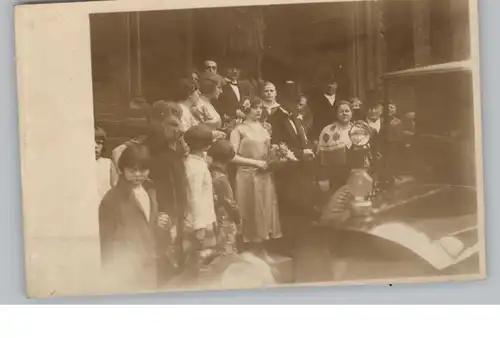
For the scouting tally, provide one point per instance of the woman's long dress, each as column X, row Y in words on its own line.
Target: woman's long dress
column 255, row 190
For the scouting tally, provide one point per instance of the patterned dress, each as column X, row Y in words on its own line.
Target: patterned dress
column 226, row 210
column 334, row 141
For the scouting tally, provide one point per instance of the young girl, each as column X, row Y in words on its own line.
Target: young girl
column 107, row 175
column 200, row 203
column 128, row 221
column 226, row 209
column 334, row 141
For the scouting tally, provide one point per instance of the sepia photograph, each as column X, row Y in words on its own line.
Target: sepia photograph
column 319, row 143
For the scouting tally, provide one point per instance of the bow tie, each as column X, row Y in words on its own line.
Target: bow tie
column 234, row 83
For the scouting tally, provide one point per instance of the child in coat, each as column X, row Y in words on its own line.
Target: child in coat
column 128, row 220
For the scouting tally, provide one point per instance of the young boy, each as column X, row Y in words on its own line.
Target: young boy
column 226, row 209
column 128, row 217
column 106, row 172
column 200, row 218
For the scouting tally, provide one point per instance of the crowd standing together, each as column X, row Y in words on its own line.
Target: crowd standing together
column 228, row 169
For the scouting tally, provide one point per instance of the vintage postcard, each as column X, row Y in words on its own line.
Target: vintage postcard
column 215, row 145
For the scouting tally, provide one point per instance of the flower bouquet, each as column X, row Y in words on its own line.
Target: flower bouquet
column 280, row 154
column 229, row 124
column 268, row 127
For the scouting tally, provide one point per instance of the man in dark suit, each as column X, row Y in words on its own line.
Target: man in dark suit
column 294, row 180
column 322, row 105
column 234, row 93
column 288, row 129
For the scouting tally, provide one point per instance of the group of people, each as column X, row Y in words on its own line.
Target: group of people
column 198, row 191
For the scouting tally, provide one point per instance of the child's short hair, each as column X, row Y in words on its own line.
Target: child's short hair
column 221, row 151
column 198, row 137
column 135, row 156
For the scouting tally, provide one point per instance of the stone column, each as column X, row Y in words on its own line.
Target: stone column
column 135, row 55
column 459, row 13
column 380, row 43
column 190, row 40
column 421, row 33
column 355, row 70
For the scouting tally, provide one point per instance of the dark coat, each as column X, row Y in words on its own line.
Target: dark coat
column 307, row 119
column 296, row 200
column 283, row 131
column 228, row 102
column 322, row 111
column 376, row 139
column 123, row 227
column 169, row 176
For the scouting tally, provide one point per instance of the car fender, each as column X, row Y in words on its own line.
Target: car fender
column 442, row 253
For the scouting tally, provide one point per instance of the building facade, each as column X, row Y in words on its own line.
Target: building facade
column 141, row 55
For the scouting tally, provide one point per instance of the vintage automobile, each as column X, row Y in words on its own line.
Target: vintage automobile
column 428, row 230
column 425, row 225
column 414, row 230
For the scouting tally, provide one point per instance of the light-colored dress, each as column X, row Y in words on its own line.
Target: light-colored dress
column 255, row 190
column 107, row 176
column 200, row 203
column 210, row 111
column 188, row 120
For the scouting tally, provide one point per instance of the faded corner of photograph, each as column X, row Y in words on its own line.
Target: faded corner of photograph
column 249, row 147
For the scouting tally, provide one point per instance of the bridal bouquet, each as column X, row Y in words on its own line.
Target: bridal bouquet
column 280, row 154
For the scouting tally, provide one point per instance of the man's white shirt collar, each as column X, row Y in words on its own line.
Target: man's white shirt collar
column 330, row 98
